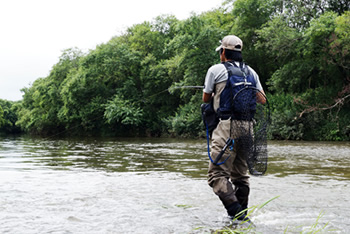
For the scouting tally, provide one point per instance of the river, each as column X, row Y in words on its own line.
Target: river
column 157, row 185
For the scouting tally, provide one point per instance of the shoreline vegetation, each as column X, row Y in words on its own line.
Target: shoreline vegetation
column 300, row 49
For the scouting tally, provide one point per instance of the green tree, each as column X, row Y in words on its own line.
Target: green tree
column 311, row 66
column 8, row 117
column 2, row 119
column 38, row 112
column 300, row 50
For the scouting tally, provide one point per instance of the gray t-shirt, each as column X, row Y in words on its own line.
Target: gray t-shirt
column 218, row 73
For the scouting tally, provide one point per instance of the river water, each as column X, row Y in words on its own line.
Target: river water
column 142, row 185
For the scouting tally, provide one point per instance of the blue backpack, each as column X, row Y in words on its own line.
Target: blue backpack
column 238, row 99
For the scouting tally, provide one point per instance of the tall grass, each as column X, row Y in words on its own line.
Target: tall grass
column 313, row 229
column 243, row 227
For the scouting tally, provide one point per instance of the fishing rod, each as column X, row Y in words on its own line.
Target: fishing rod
column 171, row 89
column 186, row 87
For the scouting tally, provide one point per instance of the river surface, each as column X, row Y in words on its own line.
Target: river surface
column 142, row 185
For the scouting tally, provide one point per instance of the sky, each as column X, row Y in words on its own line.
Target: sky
column 33, row 33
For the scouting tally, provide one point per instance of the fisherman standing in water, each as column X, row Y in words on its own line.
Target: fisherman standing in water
column 230, row 180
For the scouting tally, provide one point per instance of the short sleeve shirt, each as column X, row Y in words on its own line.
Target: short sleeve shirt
column 218, row 73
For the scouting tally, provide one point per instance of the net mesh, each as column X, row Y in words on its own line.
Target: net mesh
column 250, row 131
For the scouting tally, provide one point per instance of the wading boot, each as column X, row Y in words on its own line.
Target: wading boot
column 234, row 211
column 242, row 193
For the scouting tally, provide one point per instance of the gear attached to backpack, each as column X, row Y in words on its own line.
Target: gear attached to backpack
column 235, row 106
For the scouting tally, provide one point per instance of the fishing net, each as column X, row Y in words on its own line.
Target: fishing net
column 249, row 129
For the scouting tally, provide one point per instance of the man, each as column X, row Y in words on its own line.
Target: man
column 230, row 180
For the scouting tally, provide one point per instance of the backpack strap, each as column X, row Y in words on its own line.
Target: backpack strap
column 243, row 69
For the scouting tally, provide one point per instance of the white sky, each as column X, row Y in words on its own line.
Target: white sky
column 33, row 33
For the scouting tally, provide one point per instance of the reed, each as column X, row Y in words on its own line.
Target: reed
column 313, row 229
column 243, row 227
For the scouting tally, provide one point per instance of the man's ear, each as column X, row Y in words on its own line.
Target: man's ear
column 222, row 55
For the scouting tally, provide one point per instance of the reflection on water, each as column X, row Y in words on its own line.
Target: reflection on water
column 111, row 155
column 114, row 185
column 188, row 157
column 320, row 159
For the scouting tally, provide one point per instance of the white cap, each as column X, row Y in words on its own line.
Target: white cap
column 231, row 42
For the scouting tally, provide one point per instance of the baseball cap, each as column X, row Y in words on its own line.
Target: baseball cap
column 231, row 42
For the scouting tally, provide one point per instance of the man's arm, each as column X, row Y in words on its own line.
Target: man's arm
column 260, row 97
column 206, row 97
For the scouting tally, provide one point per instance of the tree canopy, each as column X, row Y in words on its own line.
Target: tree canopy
column 127, row 86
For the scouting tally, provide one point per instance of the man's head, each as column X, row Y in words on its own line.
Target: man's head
column 230, row 49
column 231, row 42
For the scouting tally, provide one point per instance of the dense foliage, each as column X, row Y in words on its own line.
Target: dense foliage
column 8, row 117
column 129, row 85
